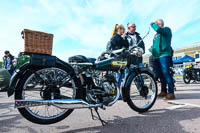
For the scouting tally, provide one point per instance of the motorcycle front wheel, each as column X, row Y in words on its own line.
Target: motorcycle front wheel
column 186, row 78
column 142, row 92
column 43, row 84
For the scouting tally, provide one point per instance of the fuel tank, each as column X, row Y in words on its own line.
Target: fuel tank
column 111, row 64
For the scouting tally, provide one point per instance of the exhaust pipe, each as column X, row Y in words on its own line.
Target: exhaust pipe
column 62, row 104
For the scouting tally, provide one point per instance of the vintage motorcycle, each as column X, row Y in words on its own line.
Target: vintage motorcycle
column 47, row 89
column 191, row 73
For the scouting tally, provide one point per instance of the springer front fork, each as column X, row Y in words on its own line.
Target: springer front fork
column 139, row 80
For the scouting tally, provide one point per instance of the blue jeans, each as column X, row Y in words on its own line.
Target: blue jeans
column 125, row 74
column 140, row 64
column 162, row 70
column 11, row 71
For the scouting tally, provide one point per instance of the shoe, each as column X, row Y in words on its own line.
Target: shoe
column 169, row 96
column 162, row 94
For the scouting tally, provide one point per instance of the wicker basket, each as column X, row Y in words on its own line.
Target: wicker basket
column 37, row 42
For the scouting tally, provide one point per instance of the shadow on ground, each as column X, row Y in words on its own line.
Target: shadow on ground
column 8, row 122
column 155, row 121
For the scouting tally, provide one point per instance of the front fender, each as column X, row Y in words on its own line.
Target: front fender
column 188, row 72
column 130, row 77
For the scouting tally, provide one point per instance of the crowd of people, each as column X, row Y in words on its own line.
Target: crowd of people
column 161, row 50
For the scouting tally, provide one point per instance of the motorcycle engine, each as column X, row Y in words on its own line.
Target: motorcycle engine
column 109, row 86
column 106, row 89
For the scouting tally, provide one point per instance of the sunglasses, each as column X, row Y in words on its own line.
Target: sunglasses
column 133, row 26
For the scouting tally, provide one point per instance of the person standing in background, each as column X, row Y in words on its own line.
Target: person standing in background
column 162, row 53
column 8, row 62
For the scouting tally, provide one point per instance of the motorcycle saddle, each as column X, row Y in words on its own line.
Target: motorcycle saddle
column 81, row 59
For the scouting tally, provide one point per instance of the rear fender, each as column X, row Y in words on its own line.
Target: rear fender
column 40, row 60
column 18, row 74
column 37, row 62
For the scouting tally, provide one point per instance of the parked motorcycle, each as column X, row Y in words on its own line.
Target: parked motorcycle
column 47, row 89
column 191, row 73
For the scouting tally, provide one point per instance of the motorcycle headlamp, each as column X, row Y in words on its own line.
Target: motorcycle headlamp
column 137, row 51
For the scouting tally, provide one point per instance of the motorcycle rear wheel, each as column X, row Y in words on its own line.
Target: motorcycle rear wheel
column 32, row 87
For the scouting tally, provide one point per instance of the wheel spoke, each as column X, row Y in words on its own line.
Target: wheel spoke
column 142, row 97
column 34, row 90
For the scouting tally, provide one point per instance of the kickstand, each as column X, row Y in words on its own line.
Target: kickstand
column 98, row 117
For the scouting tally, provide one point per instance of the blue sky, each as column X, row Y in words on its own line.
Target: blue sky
column 85, row 26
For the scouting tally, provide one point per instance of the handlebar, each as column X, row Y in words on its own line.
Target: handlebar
column 134, row 50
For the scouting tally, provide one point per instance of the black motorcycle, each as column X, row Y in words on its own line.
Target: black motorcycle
column 47, row 89
column 191, row 73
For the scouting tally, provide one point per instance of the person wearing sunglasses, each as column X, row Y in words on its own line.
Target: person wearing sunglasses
column 117, row 41
column 134, row 39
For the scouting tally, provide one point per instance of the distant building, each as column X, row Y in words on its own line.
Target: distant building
column 193, row 50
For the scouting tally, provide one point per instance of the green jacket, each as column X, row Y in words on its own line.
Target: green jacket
column 162, row 41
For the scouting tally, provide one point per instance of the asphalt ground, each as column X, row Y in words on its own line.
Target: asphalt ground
column 161, row 118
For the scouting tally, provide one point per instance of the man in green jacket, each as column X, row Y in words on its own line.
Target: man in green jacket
column 162, row 53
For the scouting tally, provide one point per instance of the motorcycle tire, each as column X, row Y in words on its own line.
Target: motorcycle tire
column 26, row 113
column 132, row 100
column 186, row 78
